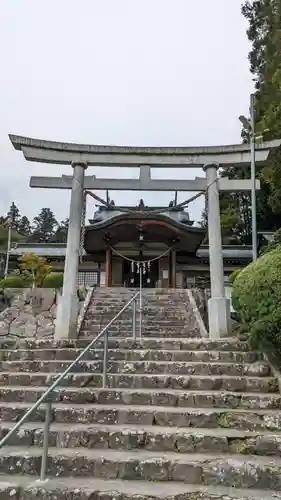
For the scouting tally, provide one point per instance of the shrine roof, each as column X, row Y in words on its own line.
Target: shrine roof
column 174, row 215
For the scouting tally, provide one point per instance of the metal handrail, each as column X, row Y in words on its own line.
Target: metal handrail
column 50, row 389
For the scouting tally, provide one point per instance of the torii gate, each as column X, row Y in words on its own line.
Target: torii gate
column 82, row 156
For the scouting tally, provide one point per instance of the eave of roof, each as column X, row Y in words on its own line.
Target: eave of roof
column 137, row 216
column 58, row 250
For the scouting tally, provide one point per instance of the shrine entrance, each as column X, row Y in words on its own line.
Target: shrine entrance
column 82, row 156
column 145, row 274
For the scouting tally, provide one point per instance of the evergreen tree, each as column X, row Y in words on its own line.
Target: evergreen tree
column 14, row 216
column 24, row 226
column 264, row 18
column 235, row 211
column 60, row 235
column 44, row 226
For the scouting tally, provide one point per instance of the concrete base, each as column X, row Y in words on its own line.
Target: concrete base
column 219, row 317
column 66, row 320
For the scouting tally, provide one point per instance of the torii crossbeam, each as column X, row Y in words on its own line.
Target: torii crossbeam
column 143, row 183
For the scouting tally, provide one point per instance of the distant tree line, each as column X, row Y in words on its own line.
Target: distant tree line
column 44, row 228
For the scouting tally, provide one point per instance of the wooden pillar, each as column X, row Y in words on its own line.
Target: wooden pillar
column 108, row 267
column 173, row 268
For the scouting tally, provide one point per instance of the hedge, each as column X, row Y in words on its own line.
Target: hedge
column 14, row 282
column 257, row 299
column 233, row 275
column 53, row 280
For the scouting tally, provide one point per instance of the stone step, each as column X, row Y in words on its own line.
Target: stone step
column 172, row 312
column 237, row 471
column 128, row 343
column 162, row 311
column 148, row 309
column 13, row 487
column 150, row 438
column 149, row 298
column 209, row 418
column 70, row 354
column 147, row 381
column 167, row 397
column 152, row 323
column 148, row 306
column 147, row 331
column 259, row 369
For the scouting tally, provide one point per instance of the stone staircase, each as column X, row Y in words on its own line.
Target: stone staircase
column 182, row 417
column 165, row 312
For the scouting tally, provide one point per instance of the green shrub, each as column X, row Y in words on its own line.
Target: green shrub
column 53, row 280
column 14, row 281
column 275, row 243
column 233, row 275
column 257, row 299
column 266, row 334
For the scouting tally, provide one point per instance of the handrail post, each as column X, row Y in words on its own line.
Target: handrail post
column 44, row 461
column 134, row 318
column 141, row 274
column 105, row 359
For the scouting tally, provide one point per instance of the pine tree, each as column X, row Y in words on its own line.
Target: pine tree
column 60, row 235
column 235, row 211
column 24, row 226
column 264, row 33
column 44, row 226
column 14, row 216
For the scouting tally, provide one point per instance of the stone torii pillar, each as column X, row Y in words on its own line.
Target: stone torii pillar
column 218, row 304
column 67, row 312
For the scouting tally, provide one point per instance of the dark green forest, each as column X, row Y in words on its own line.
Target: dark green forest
column 44, row 228
column 264, row 34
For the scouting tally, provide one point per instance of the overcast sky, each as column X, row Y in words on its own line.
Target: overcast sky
column 126, row 72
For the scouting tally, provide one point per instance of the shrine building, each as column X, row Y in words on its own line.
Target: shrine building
column 172, row 249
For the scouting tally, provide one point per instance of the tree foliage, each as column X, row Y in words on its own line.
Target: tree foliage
column 24, row 226
column 14, row 216
column 60, row 234
column 275, row 243
column 44, row 226
column 14, row 281
column 4, row 230
column 34, row 266
column 53, row 280
column 233, row 275
column 44, row 229
column 264, row 34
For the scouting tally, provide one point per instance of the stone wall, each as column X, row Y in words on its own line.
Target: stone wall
column 28, row 313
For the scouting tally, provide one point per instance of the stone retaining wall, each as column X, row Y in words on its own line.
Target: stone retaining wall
column 30, row 313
